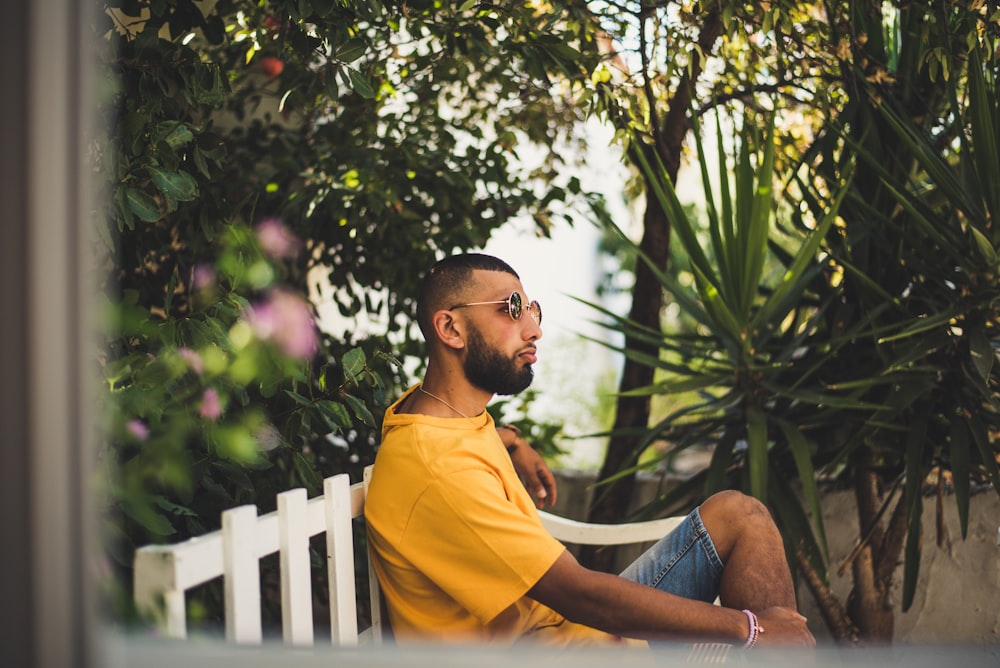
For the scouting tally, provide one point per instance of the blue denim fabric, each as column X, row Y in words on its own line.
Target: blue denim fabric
column 684, row 562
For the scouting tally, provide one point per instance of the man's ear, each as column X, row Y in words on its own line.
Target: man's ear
column 449, row 330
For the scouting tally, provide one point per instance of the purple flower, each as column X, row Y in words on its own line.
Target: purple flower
column 138, row 429
column 286, row 319
column 202, row 277
column 192, row 358
column 277, row 240
column 211, row 407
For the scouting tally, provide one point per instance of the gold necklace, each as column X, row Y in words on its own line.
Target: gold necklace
column 434, row 396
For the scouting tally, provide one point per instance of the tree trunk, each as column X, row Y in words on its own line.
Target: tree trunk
column 611, row 502
column 869, row 604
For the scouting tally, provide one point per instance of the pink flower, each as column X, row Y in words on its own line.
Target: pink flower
column 138, row 429
column 277, row 240
column 192, row 358
column 211, row 407
column 286, row 319
column 202, row 277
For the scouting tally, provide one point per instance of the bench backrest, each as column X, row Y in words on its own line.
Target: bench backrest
column 164, row 573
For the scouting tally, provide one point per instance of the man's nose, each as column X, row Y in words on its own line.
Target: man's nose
column 533, row 331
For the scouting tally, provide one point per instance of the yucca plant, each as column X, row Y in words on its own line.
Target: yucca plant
column 935, row 297
column 917, row 262
column 868, row 356
column 752, row 360
column 847, row 329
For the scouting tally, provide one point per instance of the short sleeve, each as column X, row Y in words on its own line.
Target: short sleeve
column 482, row 547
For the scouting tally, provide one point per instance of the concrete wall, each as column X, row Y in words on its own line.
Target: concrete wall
column 958, row 593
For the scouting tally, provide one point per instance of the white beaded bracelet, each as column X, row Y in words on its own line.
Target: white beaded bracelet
column 755, row 630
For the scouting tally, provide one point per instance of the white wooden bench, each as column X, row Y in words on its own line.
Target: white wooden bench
column 164, row 573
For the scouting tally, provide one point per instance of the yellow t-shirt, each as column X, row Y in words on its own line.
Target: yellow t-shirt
column 455, row 538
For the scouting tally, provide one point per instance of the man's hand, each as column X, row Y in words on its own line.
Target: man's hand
column 783, row 627
column 530, row 467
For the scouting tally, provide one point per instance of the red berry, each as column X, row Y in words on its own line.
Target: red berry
column 271, row 66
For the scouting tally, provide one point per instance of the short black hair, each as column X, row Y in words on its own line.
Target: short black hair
column 448, row 278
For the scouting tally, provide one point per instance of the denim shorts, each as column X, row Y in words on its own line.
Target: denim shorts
column 684, row 562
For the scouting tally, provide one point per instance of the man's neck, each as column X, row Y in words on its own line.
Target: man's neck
column 449, row 397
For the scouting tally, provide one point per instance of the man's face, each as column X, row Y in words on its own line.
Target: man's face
column 489, row 369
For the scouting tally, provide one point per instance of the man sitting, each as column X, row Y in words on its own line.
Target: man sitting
column 456, row 541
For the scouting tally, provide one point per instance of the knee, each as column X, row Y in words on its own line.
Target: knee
column 734, row 504
column 730, row 514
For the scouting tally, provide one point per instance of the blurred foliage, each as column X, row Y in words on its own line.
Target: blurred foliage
column 257, row 157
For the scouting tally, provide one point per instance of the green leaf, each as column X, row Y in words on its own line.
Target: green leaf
column 211, row 485
column 802, row 454
column 958, row 441
column 756, row 423
column 174, row 134
column 359, row 409
column 335, row 414
column 985, row 248
column 142, row 205
column 233, row 473
column 793, row 283
column 362, row 86
column 173, row 508
column 984, row 105
column 911, row 564
column 719, row 466
column 307, row 473
column 354, row 362
column 981, row 352
column 914, row 457
column 663, row 189
column 144, row 514
column 179, row 186
column 351, row 50
column 796, row 528
column 299, row 399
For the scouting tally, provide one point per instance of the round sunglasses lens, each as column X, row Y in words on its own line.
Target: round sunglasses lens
column 535, row 309
column 514, row 305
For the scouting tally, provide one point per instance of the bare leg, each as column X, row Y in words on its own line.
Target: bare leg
column 756, row 574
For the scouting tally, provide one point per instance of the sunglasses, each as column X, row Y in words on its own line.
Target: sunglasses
column 515, row 307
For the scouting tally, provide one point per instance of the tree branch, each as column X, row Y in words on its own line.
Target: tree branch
column 892, row 544
column 836, row 618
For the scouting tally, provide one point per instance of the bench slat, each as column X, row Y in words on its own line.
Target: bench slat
column 155, row 592
column 241, row 567
column 296, row 580
column 340, row 561
column 374, row 592
column 583, row 533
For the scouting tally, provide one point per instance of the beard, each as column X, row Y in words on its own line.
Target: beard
column 489, row 370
